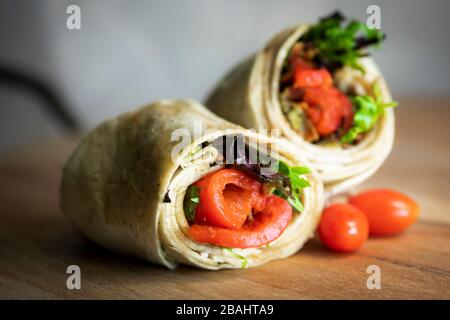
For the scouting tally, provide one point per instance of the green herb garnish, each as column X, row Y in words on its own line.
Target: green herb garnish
column 338, row 44
column 244, row 260
column 279, row 178
column 368, row 111
column 292, row 188
column 190, row 202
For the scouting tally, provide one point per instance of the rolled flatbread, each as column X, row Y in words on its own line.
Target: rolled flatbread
column 249, row 96
column 124, row 186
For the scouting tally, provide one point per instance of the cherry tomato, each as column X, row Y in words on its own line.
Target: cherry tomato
column 388, row 211
column 343, row 227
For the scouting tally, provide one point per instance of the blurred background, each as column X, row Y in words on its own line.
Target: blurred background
column 129, row 53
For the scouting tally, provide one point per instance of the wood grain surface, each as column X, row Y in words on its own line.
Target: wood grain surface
column 37, row 243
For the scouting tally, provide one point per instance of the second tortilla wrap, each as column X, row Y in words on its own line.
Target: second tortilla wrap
column 249, row 96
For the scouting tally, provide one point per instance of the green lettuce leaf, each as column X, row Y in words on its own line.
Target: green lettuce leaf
column 296, row 183
column 190, row 202
column 368, row 111
column 339, row 44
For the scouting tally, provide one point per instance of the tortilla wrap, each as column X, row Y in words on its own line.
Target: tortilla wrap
column 249, row 96
column 125, row 191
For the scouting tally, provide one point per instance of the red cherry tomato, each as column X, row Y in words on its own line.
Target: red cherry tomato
column 343, row 227
column 388, row 211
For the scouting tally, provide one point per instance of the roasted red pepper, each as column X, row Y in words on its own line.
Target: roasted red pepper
column 305, row 78
column 328, row 108
column 233, row 212
column 226, row 198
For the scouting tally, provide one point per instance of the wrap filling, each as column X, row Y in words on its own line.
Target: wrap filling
column 246, row 203
column 318, row 106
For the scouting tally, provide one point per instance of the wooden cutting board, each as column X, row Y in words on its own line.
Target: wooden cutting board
column 37, row 243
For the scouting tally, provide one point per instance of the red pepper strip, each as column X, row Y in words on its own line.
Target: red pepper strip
column 297, row 62
column 328, row 108
column 347, row 111
column 226, row 198
column 312, row 78
column 266, row 226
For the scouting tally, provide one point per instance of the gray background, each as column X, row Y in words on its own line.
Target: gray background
column 129, row 53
